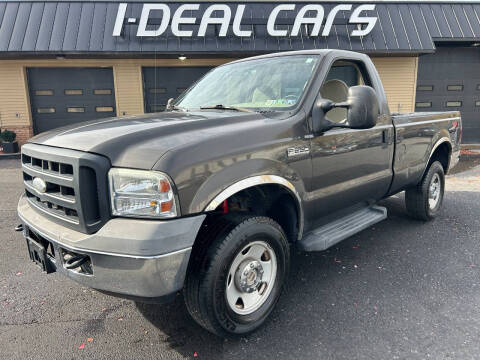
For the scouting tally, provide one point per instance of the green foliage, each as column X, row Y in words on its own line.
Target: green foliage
column 8, row 136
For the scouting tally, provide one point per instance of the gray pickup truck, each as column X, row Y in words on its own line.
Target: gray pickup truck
column 210, row 196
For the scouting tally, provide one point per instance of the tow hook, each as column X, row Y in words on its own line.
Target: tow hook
column 79, row 263
column 75, row 261
column 19, row 227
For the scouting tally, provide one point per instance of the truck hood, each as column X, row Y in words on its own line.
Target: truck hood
column 140, row 141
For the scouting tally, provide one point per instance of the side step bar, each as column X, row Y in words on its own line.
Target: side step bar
column 332, row 233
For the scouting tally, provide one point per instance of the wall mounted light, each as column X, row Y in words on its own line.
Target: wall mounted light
column 182, row 58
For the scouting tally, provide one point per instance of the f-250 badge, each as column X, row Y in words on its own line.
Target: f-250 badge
column 298, row 150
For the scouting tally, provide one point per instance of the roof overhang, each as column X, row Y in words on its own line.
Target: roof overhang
column 106, row 28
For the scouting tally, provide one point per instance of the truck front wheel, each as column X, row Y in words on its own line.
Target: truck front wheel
column 236, row 285
column 425, row 200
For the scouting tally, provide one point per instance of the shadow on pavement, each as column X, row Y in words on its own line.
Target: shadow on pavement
column 184, row 335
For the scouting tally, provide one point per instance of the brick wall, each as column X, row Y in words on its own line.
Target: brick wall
column 23, row 132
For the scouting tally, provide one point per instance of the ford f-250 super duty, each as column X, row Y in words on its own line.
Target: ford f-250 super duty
column 208, row 197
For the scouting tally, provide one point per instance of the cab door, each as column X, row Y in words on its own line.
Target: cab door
column 349, row 166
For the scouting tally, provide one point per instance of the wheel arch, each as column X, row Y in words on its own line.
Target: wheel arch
column 257, row 183
column 441, row 151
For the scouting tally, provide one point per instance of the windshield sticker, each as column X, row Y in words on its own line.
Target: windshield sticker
column 280, row 102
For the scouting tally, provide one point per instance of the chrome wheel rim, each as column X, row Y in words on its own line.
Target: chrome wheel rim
column 434, row 191
column 251, row 278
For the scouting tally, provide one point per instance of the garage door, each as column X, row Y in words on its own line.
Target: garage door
column 449, row 79
column 63, row 96
column 163, row 83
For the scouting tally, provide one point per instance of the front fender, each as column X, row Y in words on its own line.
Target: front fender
column 242, row 175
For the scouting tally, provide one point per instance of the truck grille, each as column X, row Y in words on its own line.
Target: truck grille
column 65, row 185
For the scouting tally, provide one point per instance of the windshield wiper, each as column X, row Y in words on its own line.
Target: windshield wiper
column 176, row 107
column 171, row 106
column 223, row 107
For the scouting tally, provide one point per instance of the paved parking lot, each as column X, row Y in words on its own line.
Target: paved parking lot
column 399, row 290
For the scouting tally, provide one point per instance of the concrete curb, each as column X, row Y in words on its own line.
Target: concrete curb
column 470, row 146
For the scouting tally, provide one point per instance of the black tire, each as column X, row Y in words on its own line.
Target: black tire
column 205, row 285
column 417, row 198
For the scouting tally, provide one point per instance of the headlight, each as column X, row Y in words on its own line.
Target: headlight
column 139, row 193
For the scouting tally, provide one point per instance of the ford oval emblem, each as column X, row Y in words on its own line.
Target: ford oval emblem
column 39, row 184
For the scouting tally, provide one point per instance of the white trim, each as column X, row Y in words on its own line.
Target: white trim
column 424, row 122
column 254, row 181
column 434, row 147
column 247, row 183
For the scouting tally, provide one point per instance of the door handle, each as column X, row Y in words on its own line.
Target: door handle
column 386, row 136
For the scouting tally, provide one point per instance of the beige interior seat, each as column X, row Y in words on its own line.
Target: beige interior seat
column 336, row 91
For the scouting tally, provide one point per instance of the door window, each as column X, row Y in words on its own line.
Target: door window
column 342, row 76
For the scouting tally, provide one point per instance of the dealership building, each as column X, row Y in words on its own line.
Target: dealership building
column 63, row 62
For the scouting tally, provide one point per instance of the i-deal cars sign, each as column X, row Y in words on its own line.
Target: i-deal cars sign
column 225, row 16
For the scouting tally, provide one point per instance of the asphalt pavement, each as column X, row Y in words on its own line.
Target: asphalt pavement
column 402, row 289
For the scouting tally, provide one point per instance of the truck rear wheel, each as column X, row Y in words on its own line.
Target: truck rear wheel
column 425, row 200
column 236, row 285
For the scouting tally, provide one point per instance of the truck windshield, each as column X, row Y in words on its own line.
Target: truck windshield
column 276, row 83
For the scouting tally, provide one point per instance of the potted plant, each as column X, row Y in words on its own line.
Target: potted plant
column 10, row 146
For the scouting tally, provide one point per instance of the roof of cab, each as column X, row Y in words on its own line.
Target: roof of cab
column 323, row 52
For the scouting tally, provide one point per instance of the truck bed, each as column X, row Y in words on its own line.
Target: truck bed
column 415, row 137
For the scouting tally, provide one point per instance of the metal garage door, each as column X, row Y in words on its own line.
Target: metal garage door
column 449, row 79
column 62, row 96
column 163, row 83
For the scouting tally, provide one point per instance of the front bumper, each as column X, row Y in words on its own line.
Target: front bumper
column 145, row 259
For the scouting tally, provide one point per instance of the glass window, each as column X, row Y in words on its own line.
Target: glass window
column 158, row 91
column 455, row 87
column 342, row 76
column 73, row 92
column 425, row 104
column 104, row 109
column 102, row 91
column 44, row 92
column 349, row 73
column 76, row 109
column 425, row 88
column 45, row 110
column 157, row 108
column 275, row 83
column 454, row 103
column 477, row 103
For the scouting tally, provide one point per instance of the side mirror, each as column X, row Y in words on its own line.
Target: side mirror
column 363, row 108
column 169, row 104
column 319, row 119
column 362, row 105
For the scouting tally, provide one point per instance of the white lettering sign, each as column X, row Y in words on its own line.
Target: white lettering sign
column 316, row 21
column 207, row 19
column 273, row 18
column 147, row 8
column 220, row 16
column 356, row 18
column 237, row 22
column 179, row 20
